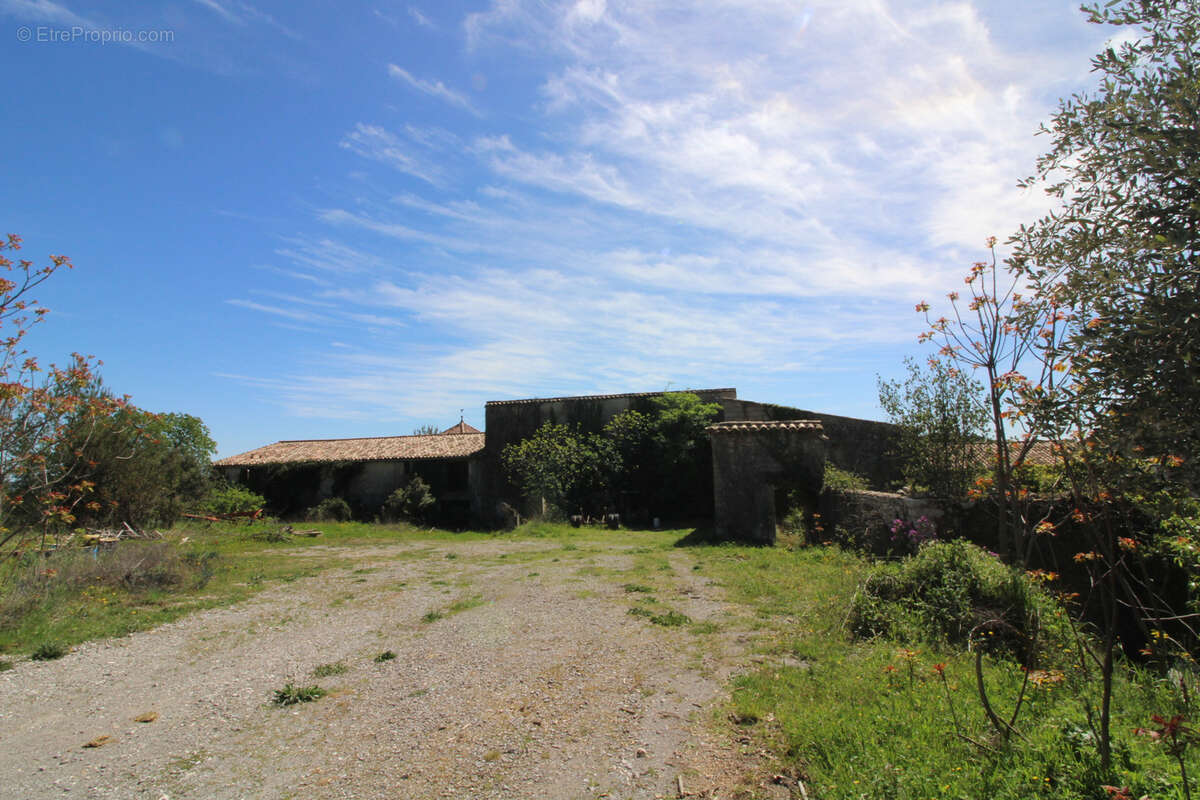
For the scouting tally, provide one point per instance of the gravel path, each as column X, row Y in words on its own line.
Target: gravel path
column 534, row 682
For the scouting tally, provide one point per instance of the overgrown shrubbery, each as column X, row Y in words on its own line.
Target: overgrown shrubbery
column 413, row 502
column 135, row 566
column 331, row 509
column 653, row 461
column 841, row 480
column 950, row 592
column 230, row 498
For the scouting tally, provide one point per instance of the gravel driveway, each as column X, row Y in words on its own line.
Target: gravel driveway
column 518, row 673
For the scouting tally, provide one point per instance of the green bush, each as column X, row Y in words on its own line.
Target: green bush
column 412, row 502
column 842, row 480
column 230, row 498
column 48, row 651
column 952, row 592
column 331, row 509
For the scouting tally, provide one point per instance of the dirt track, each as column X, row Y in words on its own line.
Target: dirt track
column 545, row 687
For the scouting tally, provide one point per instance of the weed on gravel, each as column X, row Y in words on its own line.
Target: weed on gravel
column 326, row 670
column 386, row 655
column 291, row 694
column 670, row 619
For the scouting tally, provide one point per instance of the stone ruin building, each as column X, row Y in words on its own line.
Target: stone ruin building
column 759, row 451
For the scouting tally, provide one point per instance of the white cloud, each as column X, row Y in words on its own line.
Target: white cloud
column 43, row 11
column 372, row 141
column 421, row 19
column 433, row 89
column 700, row 194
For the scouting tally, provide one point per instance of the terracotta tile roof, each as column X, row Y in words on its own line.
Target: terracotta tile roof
column 461, row 427
column 379, row 448
column 1041, row 454
column 732, row 394
column 776, row 425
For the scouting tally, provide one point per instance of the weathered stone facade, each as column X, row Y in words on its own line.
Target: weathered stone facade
column 758, row 449
column 751, row 461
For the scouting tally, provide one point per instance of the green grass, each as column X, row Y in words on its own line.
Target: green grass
column 852, row 718
column 873, row 719
column 386, row 655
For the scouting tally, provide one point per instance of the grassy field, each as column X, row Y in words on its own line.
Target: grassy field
column 850, row 718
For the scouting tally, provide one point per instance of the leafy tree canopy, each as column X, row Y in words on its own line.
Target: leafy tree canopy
column 1123, row 251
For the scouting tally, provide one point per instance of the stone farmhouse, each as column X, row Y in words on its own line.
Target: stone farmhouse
column 758, row 448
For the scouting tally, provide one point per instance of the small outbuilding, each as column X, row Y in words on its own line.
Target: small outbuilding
column 297, row 474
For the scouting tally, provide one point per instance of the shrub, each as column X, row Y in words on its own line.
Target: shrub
column 841, row 480
column 412, row 502
column 946, row 592
column 230, row 498
column 331, row 509
column 48, row 651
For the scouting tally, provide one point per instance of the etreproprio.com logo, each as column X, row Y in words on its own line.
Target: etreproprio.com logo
column 40, row 34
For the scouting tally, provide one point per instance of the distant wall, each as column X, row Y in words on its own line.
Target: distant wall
column 862, row 446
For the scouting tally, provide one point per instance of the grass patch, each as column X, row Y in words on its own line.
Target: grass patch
column 457, row 607
column 872, row 718
column 669, row 619
column 632, row 588
column 326, row 670
column 80, row 594
column 386, row 655
column 291, row 694
column 5, row 665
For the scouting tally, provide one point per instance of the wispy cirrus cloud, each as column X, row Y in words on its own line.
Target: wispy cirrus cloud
column 421, row 19
column 43, row 11
column 735, row 193
column 239, row 13
column 405, row 155
column 434, row 88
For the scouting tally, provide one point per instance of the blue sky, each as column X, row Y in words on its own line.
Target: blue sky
column 295, row 220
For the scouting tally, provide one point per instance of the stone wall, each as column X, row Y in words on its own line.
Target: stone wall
column 750, row 462
column 862, row 446
column 864, row 520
